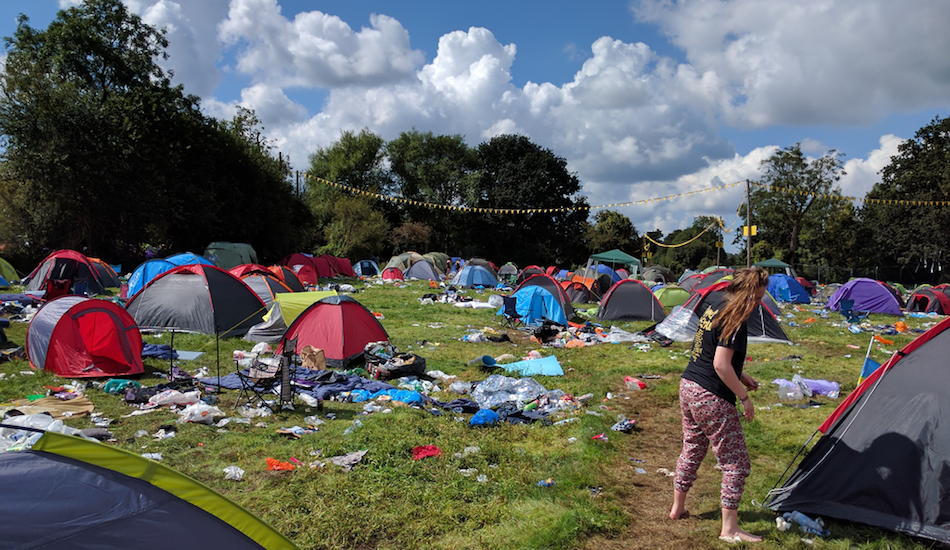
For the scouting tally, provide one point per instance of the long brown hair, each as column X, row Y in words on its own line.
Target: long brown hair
column 740, row 301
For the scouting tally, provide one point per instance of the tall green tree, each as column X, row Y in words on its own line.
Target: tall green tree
column 435, row 169
column 612, row 230
column 519, row 174
column 357, row 160
column 102, row 153
column 793, row 197
column 897, row 226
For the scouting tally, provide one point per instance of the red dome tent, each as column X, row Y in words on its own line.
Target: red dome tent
column 66, row 265
column 308, row 268
column 197, row 298
column 243, row 269
column 75, row 336
column 288, row 277
column 392, row 274
column 339, row 325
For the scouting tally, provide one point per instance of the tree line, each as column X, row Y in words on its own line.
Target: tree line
column 104, row 155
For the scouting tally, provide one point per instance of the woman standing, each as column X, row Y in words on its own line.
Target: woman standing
column 708, row 391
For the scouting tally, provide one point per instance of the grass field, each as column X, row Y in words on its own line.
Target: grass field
column 598, row 499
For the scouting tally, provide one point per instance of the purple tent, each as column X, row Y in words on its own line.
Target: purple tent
column 868, row 295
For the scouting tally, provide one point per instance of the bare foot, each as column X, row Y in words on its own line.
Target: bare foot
column 679, row 514
column 740, row 536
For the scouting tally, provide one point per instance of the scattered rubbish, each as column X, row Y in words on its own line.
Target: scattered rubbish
column 546, row 483
column 665, row 472
column 633, row 383
column 274, row 464
column 424, row 451
column 152, row 456
column 468, row 472
column 640, row 470
column 482, row 478
column 233, row 473
column 806, row 524
column 600, row 437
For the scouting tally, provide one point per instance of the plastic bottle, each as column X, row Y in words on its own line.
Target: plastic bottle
column 800, row 382
column 805, row 523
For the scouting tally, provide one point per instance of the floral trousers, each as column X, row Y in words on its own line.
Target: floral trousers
column 708, row 418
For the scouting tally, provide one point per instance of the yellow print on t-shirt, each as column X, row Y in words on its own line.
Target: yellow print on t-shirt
column 705, row 323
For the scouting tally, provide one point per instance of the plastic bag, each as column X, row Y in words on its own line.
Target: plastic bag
column 175, row 397
column 233, row 473
column 201, row 413
column 498, row 389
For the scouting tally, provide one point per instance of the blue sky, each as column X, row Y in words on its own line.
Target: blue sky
column 643, row 99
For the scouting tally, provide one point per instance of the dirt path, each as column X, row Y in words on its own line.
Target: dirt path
column 647, row 497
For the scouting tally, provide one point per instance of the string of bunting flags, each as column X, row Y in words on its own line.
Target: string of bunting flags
column 701, row 233
column 401, row 200
column 850, row 199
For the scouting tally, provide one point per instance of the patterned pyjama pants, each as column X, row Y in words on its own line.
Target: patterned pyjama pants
column 708, row 418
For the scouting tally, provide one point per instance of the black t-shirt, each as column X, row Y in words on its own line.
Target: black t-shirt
column 708, row 338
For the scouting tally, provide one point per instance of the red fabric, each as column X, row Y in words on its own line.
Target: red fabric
column 392, row 273
column 423, row 451
column 274, row 464
column 242, row 270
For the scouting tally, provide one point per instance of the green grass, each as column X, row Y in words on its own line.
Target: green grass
column 390, row 501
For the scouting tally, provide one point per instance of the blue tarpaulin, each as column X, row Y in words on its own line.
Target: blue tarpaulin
column 546, row 366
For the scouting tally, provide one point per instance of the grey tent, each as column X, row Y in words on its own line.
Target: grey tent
column 884, row 458
column 227, row 255
column 630, row 300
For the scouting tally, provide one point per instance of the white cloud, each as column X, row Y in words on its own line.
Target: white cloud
column 316, row 49
column 812, row 61
column 861, row 174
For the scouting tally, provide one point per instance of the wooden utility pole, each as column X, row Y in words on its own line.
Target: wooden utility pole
column 748, row 227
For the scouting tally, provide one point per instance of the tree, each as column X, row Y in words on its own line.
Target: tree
column 517, row 174
column 356, row 230
column 438, row 170
column 613, row 230
column 897, row 226
column 355, row 160
column 412, row 236
column 792, row 196
column 102, row 153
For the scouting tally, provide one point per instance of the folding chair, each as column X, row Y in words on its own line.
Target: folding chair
column 510, row 313
column 261, row 383
column 847, row 310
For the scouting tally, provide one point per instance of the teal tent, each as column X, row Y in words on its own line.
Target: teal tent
column 535, row 304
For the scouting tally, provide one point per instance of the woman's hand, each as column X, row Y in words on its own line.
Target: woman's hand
column 748, row 411
column 750, row 383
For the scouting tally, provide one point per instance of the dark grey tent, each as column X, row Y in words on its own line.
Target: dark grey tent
column 67, row 493
column 422, row 270
column 884, row 458
column 630, row 300
column 197, row 298
column 658, row 274
column 227, row 255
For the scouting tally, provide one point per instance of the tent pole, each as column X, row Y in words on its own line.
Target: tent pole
column 748, row 223
column 217, row 349
column 171, row 353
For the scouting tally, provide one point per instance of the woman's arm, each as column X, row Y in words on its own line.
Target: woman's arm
column 722, row 362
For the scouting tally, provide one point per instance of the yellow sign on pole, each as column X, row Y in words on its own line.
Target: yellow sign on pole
column 745, row 230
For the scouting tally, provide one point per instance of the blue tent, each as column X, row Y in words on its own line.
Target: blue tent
column 535, row 304
column 150, row 269
column 602, row 268
column 4, row 283
column 474, row 275
column 786, row 289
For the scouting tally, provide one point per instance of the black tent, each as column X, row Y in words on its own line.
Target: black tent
column 197, row 298
column 630, row 300
column 68, row 492
column 884, row 458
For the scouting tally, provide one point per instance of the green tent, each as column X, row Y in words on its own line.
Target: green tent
column 7, row 271
column 615, row 257
column 227, row 255
column 772, row 262
column 671, row 295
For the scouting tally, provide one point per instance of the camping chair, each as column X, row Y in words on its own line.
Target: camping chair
column 512, row 319
column 55, row 288
column 259, row 384
column 847, row 310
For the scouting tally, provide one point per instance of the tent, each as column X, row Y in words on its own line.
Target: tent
column 474, row 275
column 933, row 299
column 75, row 336
column 484, row 263
column 66, row 265
column 528, row 272
column 883, row 457
column 404, row 260
column 366, row 268
column 615, row 257
column 4, row 283
column 786, row 289
column 508, row 270
column 266, row 285
column 578, row 293
column 392, row 274
column 773, row 263
column 243, row 269
column 227, row 255
column 308, row 268
column 807, row 285
column 671, row 295
column 658, row 274
column 535, row 304
column 422, row 270
column 599, row 285
column 288, row 276
column 711, row 278
column 149, row 269
column 69, row 492
column 554, row 288
column 7, row 271
column 630, row 300
column 682, row 323
column 108, row 276
column 287, row 306
column 597, row 270
column 342, row 265
column 868, row 295
column 339, row 325
column 624, row 274
column 197, row 298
